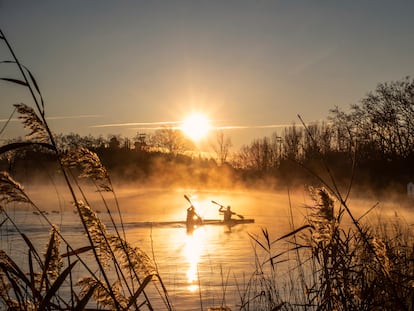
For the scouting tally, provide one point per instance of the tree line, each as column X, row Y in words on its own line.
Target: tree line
column 370, row 144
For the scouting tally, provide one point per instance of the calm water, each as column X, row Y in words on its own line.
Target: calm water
column 210, row 265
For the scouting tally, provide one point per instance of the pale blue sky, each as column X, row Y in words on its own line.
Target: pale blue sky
column 244, row 63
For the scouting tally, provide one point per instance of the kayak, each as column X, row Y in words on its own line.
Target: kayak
column 230, row 223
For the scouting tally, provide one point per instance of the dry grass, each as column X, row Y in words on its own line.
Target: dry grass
column 334, row 266
column 120, row 276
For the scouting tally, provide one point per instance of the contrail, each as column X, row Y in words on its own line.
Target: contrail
column 74, row 117
column 59, row 117
column 237, row 127
column 173, row 125
column 157, row 125
column 137, row 124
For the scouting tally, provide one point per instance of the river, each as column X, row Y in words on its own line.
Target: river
column 207, row 268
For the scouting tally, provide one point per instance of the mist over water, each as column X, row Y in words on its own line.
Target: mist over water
column 212, row 263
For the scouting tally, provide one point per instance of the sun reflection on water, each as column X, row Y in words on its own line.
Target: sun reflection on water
column 194, row 246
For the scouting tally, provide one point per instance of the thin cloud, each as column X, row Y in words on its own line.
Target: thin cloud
column 241, row 127
column 173, row 124
column 153, row 124
column 154, row 128
column 83, row 116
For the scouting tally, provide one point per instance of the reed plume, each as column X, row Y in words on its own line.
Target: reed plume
column 89, row 166
column 11, row 190
column 33, row 122
column 321, row 217
column 38, row 289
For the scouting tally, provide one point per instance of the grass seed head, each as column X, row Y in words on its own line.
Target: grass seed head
column 32, row 122
column 90, row 166
column 11, row 190
column 322, row 214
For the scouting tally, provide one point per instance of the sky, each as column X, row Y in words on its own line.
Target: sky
column 127, row 67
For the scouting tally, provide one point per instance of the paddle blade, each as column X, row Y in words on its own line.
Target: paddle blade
column 188, row 199
column 216, row 203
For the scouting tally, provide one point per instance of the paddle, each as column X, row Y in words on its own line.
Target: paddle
column 191, row 203
column 238, row 215
column 188, row 199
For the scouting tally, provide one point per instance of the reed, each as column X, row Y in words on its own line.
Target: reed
column 333, row 264
column 121, row 274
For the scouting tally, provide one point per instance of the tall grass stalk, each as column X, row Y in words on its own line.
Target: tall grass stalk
column 125, row 272
column 332, row 268
column 336, row 265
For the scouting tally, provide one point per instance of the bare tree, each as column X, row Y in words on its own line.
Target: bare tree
column 318, row 139
column 343, row 130
column 292, row 142
column 222, row 147
column 72, row 141
column 261, row 155
column 384, row 118
column 171, row 140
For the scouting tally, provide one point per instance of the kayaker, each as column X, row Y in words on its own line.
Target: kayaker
column 227, row 213
column 193, row 218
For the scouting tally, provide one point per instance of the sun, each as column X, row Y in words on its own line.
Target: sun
column 196, row 126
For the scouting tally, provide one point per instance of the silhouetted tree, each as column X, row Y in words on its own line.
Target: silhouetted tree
column 292, row 142
column 381, row 130
column 72, row 141
column 171, row 140
column 317, row 140
column 222, row 147
column 262, row 155
column 343, row 131
column 114, row 142
column 383, row 119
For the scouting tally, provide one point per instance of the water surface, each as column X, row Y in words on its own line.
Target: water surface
column 207, row 268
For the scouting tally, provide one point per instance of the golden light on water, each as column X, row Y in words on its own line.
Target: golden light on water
column 192, row 288
column 194, row 247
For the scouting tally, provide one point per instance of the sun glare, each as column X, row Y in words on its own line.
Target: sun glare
column 196, row 126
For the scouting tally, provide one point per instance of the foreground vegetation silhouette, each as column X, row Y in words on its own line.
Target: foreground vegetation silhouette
column 39, row 288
